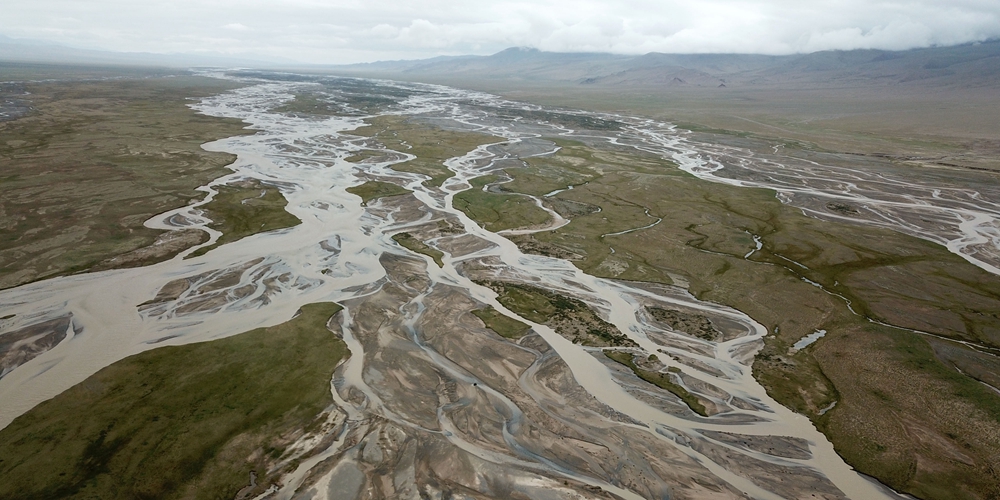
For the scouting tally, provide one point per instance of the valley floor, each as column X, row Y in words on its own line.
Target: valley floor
column 512, row 301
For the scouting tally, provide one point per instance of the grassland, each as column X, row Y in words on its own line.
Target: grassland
column 496, row 212
column 661, row 380
column 317, row 103
column 177, row 422
column 502, row 325
column 93, row 160
column 338, row 97
column 914, row 125
column 26, row 71
column 902, row 415
column 694, row 324
column 406, row 240
column 431, row 145
column 569, row 120
column 373, row 190
column 569, row 317
column 245, row 209
column 309, row 104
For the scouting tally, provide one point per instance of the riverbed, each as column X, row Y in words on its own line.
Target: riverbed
column 542, row 416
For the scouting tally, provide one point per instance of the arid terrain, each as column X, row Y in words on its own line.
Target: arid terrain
column 397, row 290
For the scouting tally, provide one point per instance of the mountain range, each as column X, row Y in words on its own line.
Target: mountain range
column 967, row 66
column 974, row 65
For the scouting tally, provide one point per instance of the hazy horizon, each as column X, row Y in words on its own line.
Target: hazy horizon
column 323, row 32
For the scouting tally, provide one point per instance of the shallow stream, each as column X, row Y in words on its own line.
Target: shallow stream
column 343, row 252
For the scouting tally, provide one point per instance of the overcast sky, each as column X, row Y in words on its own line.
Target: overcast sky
column 341, row 31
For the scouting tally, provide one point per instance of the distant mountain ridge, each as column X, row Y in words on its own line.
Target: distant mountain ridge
column 968, row 65
column 973, row 65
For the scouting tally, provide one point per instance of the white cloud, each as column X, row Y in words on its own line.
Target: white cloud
column 359, row 30
column 385, row 31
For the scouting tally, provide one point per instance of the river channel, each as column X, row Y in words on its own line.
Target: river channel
column 543, row 417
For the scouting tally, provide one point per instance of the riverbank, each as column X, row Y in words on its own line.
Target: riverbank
column 98, row 153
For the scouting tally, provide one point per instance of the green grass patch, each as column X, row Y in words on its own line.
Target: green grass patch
column 94, row 159
column 363, row 155
column 569, row 317
column 505, row 327
column 575, row 164
column 694, row 324
column 431, row 145
column 497, row 212
column 177, row 422
column 406, row 240
column 438, row 173
column 575, row 121
column 660, row 380
column 373, row 190
column 527, row 301
column 895, row 369
column 245, row 210
column 310, row 104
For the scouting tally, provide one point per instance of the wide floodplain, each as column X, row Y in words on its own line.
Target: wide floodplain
column 531, row 303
